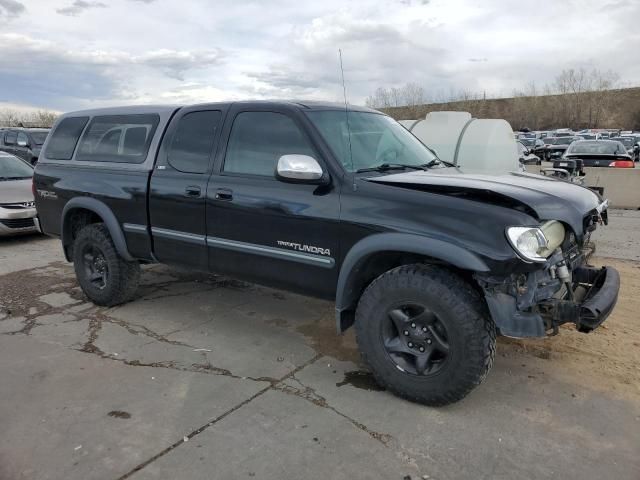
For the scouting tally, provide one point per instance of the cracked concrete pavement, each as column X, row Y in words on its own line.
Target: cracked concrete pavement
column 204, row 377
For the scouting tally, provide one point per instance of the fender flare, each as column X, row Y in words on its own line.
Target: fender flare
column 107, row 216
column 346, row 291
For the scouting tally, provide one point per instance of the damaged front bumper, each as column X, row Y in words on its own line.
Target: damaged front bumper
column 536, row 304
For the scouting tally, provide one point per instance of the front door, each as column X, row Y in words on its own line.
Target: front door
column 10, row 139
column 263, row 229
column 22, row 147
column 178, row 188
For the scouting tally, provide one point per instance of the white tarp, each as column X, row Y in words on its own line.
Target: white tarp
column 474, row 145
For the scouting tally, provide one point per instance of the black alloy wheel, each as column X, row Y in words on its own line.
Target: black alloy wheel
column 95, row 266
column 415, row 339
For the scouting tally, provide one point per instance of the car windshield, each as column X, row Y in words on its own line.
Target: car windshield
column 39, row 137
column 375, row 140
column 597, row 148
column 12, row 168
column 528, row 142
column 626, row 141
column 562, row 140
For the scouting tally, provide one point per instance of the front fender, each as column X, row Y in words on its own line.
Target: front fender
column 107, row 216
column 349, row 286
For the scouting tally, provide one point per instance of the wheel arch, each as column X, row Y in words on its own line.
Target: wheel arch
column 381, row 252
column 81, row 211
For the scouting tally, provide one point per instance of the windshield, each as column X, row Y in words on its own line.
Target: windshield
column 626, row 141
column 597, row 148
column 38, row 137
column 528, row 142
column 13, row 168
column 562, row 140
column 375, row 140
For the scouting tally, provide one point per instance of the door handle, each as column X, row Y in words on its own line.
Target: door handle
column 192, row 191
column 224, row 194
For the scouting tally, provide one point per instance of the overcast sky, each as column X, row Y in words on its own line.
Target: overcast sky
column 73, row 54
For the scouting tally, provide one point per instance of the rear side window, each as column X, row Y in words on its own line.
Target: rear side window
column 118, row 138
column 10, row 138
column 259, row 139
column 192, row 143
column 65, row 137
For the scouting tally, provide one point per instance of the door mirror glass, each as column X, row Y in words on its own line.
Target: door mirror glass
column 23, row 141
column 299, row 167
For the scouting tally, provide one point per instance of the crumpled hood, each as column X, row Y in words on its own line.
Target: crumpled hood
column 547, row 199
column 15, row 191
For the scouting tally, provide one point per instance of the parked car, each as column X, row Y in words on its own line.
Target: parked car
column 535, row 146
column 563, row 132
column 23, row 142
column 556, row 147
column 600, row 153
column 17, row 206
column 588, row 136
column 427, row 262
column 632, row 147
column 526, row 157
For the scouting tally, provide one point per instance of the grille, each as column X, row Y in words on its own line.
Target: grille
column 18, row 206
column 18, row 222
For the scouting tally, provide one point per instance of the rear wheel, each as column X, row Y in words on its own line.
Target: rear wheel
column 425, row 334
column 104, row 276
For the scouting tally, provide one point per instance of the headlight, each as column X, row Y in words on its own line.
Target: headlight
column 528, row 242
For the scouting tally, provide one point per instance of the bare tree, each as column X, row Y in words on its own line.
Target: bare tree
column 14, row 118
column 576, row 98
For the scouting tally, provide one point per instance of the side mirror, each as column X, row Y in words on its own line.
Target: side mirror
column 636, row 148
column 299, row 168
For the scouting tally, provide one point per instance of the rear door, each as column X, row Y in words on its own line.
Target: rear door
column 178, row 187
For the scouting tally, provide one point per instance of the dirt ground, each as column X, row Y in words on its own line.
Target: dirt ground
column 607, row 359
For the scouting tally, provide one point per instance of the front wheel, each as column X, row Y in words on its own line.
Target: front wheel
column 425, row 334
column 104, row 276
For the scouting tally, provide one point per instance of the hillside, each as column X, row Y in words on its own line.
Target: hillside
column 606, row 109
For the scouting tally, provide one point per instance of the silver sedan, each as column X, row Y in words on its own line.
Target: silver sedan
column 17, row 205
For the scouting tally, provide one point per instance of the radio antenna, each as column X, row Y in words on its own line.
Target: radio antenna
column 346, row 108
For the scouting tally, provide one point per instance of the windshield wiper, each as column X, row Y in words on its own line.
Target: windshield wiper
column 383, row 167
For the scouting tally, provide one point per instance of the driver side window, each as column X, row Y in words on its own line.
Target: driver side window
column 259, row 139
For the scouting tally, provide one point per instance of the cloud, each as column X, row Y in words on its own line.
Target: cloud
column 43, row 73
column 237, row 49
column 10, row 9
column 174, row 63
column 79, row 6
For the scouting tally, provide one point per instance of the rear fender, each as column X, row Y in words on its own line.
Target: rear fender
column 107, row 216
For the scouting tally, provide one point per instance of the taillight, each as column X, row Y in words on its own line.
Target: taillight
column 33, row 187
column 622, row 164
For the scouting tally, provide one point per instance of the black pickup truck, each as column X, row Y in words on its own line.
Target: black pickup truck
column 429, row 263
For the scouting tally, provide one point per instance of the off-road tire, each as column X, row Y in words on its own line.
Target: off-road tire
column 123, row 276
column 471, row 333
